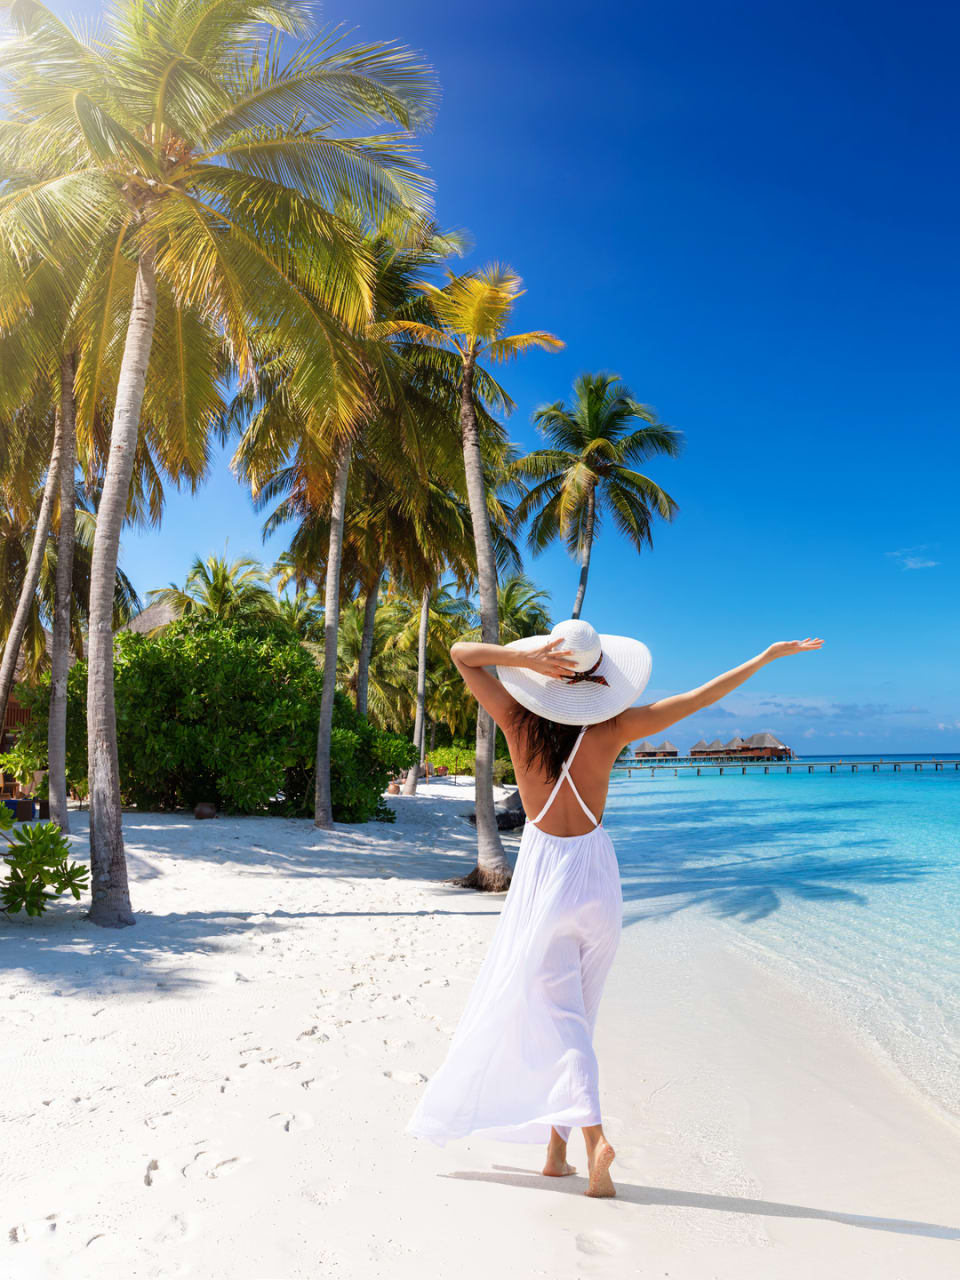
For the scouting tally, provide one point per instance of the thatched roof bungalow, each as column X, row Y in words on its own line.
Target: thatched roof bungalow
column 764, row 746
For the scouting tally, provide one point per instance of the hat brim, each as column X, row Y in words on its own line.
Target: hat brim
column 625, row 664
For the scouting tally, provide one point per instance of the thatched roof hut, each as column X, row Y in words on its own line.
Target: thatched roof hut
column 764, row 740
column 699, row 747
column 645, row 748
column 736, row 743
column 715, row 746
column 153, row 618
column 666, row 748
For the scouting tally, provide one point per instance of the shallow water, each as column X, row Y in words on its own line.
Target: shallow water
column 851, row 881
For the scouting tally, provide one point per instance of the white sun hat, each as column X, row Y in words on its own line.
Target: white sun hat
column 610, row 674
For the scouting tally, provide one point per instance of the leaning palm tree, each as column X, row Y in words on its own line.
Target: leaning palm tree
column 187, row 151
column 234, row 591
column 468, row 317
column 589, row 469
column 38, row 425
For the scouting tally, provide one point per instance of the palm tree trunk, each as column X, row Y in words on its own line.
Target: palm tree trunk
column 410, row 782
column 366, row 643
column 110, row 905
column 587, row 548
column 323, row 804
column 28, row 588
column 492, row 871
column 60, row 648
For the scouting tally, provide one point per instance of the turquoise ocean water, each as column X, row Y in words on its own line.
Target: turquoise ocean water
column 849, row 881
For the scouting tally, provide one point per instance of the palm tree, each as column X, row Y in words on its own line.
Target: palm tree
column 187, row 154
column 389, row 670
column 522, row 607
column 288, row 448
column 303, row 614
column 468, row 317
column 17, row 537
column 21, row 616
column 588, row 470
column 235, row 591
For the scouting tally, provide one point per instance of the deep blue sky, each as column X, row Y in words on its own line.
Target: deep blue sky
column 750, row 212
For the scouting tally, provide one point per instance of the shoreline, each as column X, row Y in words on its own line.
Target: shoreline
column 220, row 1091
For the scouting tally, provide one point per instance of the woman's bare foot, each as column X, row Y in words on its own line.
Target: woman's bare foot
column 600, row 1160
column 556, row 1165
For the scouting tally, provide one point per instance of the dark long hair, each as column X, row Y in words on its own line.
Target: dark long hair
column 548, row 743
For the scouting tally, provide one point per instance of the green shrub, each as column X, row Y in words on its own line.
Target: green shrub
column 462, row 759
column 503, row 773
column 38, row 869
column 458, row 758
column 227, row 714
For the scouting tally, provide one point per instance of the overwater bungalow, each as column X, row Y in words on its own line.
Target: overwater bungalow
column 667, row 751
column 764, row 746
column 644, row 750
column 700, row 748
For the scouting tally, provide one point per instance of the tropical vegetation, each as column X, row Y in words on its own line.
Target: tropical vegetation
column 215, row 226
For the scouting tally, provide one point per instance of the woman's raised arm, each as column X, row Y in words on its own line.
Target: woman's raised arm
column 639, row 722
column 471, row 658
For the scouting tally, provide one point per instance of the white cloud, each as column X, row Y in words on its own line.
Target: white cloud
column 912, row 558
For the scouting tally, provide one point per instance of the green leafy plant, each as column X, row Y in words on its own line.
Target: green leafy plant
column 38, row 869
column 459, row 758
column 19, row 763
column 227, row 713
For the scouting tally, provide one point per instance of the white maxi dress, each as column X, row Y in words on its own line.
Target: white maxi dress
column 521, row 1059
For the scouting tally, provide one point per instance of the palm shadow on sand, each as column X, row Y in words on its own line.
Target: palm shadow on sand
column 510, row 1176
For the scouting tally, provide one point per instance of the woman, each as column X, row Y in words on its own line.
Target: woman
column 521, row 1065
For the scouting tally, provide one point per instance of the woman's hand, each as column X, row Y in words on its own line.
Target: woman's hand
column 549, row 660
column 785, row 648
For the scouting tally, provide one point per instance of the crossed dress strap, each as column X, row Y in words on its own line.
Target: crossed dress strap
column 565, row 774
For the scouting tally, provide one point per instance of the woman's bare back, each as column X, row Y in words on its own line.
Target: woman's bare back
column 590, row 772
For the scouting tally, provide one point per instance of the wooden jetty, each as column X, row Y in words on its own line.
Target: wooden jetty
column 810, row 766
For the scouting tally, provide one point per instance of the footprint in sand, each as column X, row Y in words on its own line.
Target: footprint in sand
column 406, row 1077
column 169, row 1075
column 182, row 1226
column 293, row 1122
column 598, row 1244
column 36, row 1229
column 315, row 1033
column 208, row 1164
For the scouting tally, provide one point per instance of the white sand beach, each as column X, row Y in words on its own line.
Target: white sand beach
column 220, row 1091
